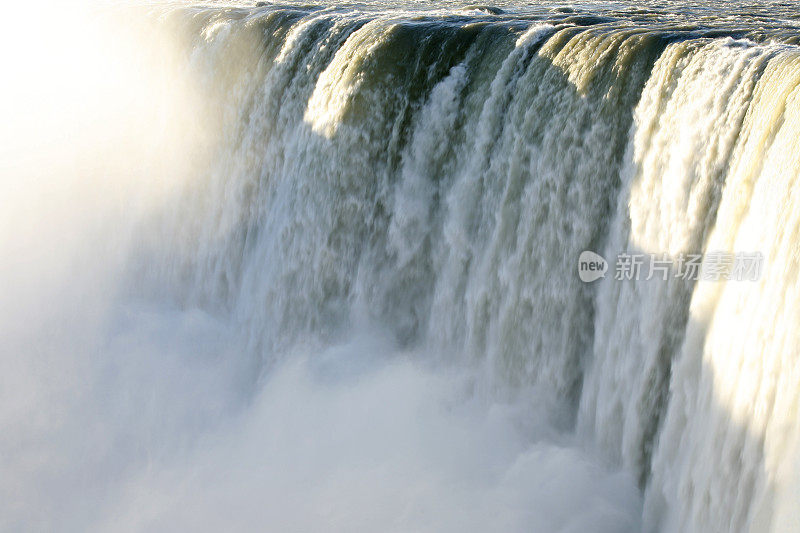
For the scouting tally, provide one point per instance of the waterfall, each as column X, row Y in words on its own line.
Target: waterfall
column 418, row 186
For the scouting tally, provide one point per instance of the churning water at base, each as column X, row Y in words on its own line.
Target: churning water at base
column 308, row 268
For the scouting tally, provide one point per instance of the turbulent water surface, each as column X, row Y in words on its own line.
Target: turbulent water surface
column 296, row 267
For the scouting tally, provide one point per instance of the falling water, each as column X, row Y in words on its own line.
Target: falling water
column 315, row 268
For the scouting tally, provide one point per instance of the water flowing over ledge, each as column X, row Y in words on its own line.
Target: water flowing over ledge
column 376, row 211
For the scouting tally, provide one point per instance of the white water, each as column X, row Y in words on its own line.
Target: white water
column 318, row 273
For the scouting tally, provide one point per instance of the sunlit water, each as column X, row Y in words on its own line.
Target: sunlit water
column 314, row 268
